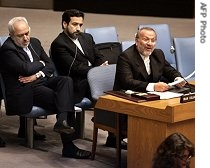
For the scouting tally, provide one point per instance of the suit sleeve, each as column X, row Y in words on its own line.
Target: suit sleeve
column 49, row 68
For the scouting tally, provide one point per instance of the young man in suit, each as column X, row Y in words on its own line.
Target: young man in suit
column 74, row 54
column 27, row 72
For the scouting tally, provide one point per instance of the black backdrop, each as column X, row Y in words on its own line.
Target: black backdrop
column 159, row 8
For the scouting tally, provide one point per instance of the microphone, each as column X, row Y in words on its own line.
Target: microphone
column 188, row 85
column 172, row 49
column 192, row 87
column 188, row 96
column 187, row 88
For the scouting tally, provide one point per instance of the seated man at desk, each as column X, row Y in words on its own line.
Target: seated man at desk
column 142, row 67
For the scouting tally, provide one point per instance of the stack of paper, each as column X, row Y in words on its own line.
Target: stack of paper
column 167, row 94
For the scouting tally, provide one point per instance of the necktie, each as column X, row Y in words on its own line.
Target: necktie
column 28, row 53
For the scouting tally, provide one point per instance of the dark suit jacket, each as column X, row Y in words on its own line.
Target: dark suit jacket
column 131, row 72
column 14, row 63
column 70, row 61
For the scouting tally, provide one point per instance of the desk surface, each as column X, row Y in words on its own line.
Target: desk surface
column 170, row 110
column 149, row 123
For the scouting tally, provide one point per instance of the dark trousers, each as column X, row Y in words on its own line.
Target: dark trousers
column 56, row 94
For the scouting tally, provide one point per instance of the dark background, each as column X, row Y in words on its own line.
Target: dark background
column 159, row 8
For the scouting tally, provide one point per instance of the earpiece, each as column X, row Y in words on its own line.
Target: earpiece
column 34, row 50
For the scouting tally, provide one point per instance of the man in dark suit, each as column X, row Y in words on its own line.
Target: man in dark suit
column 28, row 75
column 143, row 68
column 74, row 54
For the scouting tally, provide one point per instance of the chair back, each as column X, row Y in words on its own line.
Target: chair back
column 164, row 41
column 185, row 55
column 101, row 79
column 103, row 34
column 126, row 44
column 2, row 40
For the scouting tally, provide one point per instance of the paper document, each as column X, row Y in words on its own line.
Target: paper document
column 180, row 80
column 167, row 94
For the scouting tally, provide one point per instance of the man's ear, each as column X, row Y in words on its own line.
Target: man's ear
column 65, row 25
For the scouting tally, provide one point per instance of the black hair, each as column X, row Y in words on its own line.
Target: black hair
column 171, row 148
column 66, row 17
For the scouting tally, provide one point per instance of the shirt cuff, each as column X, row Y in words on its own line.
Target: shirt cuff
column 178, row 78
column 42, row 62
column 150, row 87
column 42, row 73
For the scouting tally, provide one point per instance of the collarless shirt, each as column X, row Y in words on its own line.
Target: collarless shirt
column 76, row 41
column 26, row 49
column 146, row 60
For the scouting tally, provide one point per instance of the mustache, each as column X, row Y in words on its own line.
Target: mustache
column 77, row 32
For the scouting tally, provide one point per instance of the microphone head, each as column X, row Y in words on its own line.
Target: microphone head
column 172, row 50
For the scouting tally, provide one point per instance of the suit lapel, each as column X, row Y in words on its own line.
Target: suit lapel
column 72, row 45
column 141, row 67
column 154, row 68
column 22, row 54
column 84, row 46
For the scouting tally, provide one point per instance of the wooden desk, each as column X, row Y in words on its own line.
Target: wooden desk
column 149, row 123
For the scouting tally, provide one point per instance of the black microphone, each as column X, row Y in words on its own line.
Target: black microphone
column 188, row 85
column 188, row 96
column 172, row 50
column 188, row 88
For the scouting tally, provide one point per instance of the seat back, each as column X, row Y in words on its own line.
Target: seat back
column 103, row 34
column 185, row 55
column 164, row 40
column 126, row 44
column 101, row 79
column 2, row 40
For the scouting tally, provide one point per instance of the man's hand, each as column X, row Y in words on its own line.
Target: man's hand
column 27, row 79
column 161, row 87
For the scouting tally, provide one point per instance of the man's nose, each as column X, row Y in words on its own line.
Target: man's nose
column 78, row 28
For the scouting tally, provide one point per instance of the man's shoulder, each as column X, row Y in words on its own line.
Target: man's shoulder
column 35, row 40
column 8, row 44
column 60, row 38
column 158, row 51
column 86, row 35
